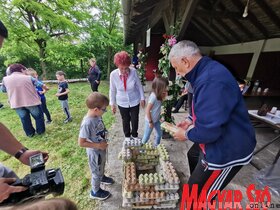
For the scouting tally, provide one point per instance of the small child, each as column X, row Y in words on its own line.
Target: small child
column 41, row 92
column 152, row 118
column 62, row 94
column 92, row 136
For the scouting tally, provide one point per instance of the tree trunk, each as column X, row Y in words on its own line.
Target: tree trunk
column 42, row 54
column 109, row 60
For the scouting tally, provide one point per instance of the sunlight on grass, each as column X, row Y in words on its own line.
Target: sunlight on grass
column 60, row 140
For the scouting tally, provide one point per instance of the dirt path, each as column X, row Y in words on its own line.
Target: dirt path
column 177, row 151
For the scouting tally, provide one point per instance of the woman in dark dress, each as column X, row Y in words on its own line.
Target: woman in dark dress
column 94, row 75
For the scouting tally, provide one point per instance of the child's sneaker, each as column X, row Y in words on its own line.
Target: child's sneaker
column 136, row 138
column 100, row 194
column 67, row 120
column 107, row 180
column 127, row 138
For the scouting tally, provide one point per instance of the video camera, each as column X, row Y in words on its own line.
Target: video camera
column 40, row 182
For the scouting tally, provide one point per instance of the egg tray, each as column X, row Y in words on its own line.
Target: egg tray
column 169, row 128
column 126, row 154
column 146, row 157
column 151, row 179
column 145, row 196
column 130, row 173
column 167, row 187
column 169, row 172
column 155, row 161
column 138, row 187
column 169, row 197
column 138, row 200
column 132, row 143
column 165, row 206
column 143, row 167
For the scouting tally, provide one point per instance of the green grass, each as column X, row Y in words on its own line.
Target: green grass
column 60, row 140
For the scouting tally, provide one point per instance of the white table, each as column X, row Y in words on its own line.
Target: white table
column 272, row 121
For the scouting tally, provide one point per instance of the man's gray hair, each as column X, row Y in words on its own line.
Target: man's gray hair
column 183, row 48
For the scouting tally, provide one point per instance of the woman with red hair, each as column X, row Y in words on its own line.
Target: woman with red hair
column 127, row 93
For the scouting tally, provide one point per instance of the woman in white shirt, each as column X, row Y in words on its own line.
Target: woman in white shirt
column 127, row 93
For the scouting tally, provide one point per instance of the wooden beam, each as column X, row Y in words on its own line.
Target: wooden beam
column 144, row 15
column 217, row 14
column 207, row 33
column 143, row 6
column 219, row 32
column 211, row 31
column 158, row 12
column 251, row 17
column 232, row 33
column 269, row 12
column 166, row 22
column 237, row 23
column 191, row 6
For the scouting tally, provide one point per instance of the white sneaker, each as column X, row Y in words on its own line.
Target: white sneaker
column 136, row 138
column 127, row 138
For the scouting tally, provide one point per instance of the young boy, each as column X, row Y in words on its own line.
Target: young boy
column 62, row 94
column 92, row 136
column 41, row 92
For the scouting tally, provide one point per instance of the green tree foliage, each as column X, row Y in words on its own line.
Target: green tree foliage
column 51, row 35
column 106, row 33
column 33, row 23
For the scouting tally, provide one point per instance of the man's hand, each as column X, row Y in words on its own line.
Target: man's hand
column 180, row 134
column 142, row 103
column 103, row 145
column 97, row 82
column 114, row 109
column 184, row 124
column 57, row 94
column 6, row 189
column 24, row 158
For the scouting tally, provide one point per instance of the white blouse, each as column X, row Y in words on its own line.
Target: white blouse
column 134, row 89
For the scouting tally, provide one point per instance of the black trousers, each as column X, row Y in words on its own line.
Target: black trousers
column 207, row 180
column 130, row 115
column 180, row 102
column 190, row 97
column 94, row 86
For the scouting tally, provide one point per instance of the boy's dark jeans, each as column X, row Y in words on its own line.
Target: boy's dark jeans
column 45, row 109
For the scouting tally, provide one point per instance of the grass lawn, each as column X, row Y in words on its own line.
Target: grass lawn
column 60, row 140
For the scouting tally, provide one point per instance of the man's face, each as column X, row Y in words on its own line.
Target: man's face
column 181, row 66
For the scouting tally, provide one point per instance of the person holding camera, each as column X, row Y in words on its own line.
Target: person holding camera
column 10, row 145
column 92, row 136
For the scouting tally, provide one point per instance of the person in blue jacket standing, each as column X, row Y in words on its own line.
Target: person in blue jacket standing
column 220, row 128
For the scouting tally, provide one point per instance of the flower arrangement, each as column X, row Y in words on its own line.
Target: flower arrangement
column 164, row 69
column 142, row 60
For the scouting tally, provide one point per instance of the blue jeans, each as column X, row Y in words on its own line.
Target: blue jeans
column 45, row 109
column 37, row 114
column 148, row 131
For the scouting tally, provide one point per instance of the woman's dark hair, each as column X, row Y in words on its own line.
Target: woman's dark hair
column 159, row 86
column 16, row 68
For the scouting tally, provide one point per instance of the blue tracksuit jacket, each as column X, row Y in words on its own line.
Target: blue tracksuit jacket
column 221, row 122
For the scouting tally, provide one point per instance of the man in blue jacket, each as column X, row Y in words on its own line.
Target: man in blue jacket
column 224, row 139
